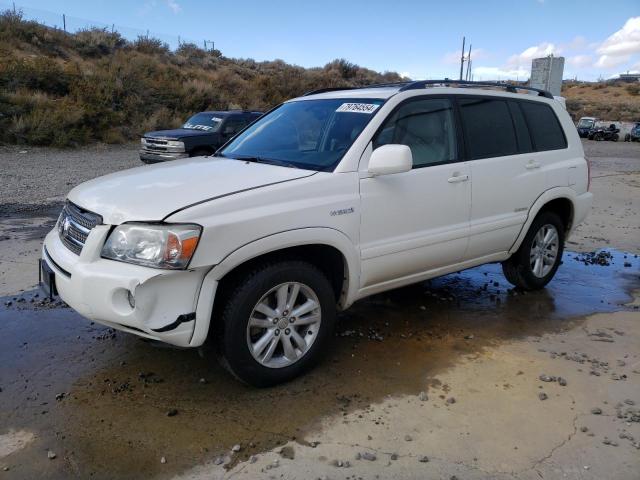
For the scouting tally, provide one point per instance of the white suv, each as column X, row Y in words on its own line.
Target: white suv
column 326, row 199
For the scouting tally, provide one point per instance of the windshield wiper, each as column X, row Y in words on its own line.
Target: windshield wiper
column 268, row 161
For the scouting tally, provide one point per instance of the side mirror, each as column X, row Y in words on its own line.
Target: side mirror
column 389, row 159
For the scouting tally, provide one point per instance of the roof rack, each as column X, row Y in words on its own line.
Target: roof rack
column 415, row 85
column 446, row 82
column 375, row 85
column 329, row 89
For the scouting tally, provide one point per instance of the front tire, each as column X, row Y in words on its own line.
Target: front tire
column 277, row 322
column 540, row 254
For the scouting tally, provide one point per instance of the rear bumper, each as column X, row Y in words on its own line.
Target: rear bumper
column 165, row 303
column 581, row 207
column 148, row 156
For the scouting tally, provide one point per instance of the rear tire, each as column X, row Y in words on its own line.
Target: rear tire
column 267, row 304
column 540, row 254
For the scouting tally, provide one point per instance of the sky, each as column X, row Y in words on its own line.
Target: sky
column 419, row 39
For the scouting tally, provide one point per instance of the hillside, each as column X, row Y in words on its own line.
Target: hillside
column 616, row 101
column 65, row 89
column 70, row 89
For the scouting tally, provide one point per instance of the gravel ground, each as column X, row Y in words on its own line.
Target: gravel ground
column 36, row 178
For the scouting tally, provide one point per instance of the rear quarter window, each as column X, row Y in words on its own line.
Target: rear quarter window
column 488, row 127
column 544, row 126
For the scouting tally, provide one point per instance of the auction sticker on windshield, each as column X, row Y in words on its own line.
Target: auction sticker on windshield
column 368, row 108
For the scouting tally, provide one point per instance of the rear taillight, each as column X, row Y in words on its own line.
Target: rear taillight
column 588, row 174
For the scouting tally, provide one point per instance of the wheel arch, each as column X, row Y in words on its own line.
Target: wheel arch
column 329, row 249
column 560, row 200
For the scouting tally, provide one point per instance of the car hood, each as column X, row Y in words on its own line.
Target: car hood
column 152, row 192
column 178, row 133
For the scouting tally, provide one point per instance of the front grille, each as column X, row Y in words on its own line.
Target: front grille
column 74, row 225
column 157, row 141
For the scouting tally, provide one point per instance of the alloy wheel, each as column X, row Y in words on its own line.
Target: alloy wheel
column 544, row 250
column 284, row 325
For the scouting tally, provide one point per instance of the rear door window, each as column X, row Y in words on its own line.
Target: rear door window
column 522, row 131
column 488, row 127
column 544, row 126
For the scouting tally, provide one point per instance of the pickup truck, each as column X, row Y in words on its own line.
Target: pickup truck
column 201, row 135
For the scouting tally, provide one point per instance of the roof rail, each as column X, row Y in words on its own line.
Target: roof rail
column 463, row 83
column 375, row 85
column 329, row 89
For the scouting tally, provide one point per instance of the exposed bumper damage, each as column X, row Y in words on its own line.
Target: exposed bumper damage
column 152, row 303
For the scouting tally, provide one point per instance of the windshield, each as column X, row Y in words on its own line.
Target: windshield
column 203, row 121
column 585, row 123
column 310, row 134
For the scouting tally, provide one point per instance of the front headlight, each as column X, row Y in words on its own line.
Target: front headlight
column 159, row 246
column 175, row 144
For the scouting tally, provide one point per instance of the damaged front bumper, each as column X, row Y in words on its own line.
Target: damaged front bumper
column 165, row 305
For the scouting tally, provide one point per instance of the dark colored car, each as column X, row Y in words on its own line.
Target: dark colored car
column 634, row 134
column 201, row 135
column 585, row 125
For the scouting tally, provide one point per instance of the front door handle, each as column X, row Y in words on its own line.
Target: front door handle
column 532, row 165
column 457, row 178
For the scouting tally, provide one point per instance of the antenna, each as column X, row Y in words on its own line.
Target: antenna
column 468, row 63
column 462, row 58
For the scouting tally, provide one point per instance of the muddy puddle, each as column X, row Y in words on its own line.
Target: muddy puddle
column 100, row 400
column 27, row 222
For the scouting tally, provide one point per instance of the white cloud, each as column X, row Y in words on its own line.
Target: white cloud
column 618, row 48
column 499, row 73
column 625, row 41
column 174, row 6
column 578, row 43
column 541, row 50
column 611, row 61
column 580, row 61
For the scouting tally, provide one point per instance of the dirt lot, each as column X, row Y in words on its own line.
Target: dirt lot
column 458, row 377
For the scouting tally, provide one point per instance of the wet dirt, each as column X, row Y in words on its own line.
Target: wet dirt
column 101, row 399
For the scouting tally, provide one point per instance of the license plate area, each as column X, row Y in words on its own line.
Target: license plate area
column 47, row 279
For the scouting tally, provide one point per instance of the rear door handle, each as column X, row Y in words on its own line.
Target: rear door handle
column 457, row 178
column 532, row 165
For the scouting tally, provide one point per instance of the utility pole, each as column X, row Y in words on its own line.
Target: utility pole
column 462, row 58
column 64, row 23
column 468, row 63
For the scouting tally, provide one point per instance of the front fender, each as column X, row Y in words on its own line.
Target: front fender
column 278, row 241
